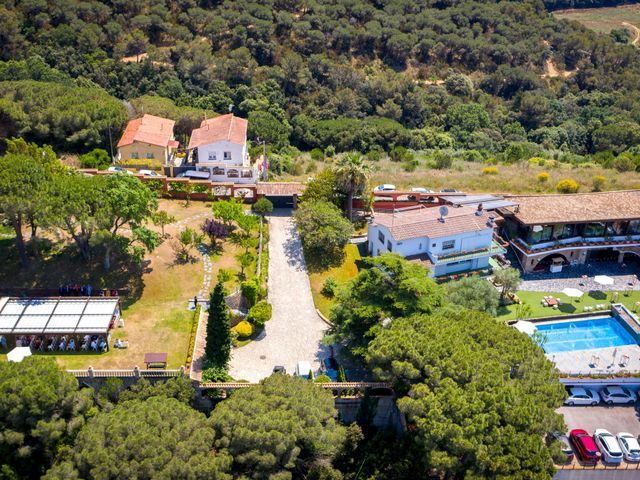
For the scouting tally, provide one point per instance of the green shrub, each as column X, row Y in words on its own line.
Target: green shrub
column 322, row 379
column 543, row 177
column 398, row 154
column 598, row 182
column 442, row 160
column 375, row 153
column 330, row 287
column 537, row 161
column 96, row 158
column 567, row 186
column 472, row 156
column 260, row 313
column 224, row 275
column 330, row 151
column 215, row 375
column 624, row 164
column 490, row 171
column 244, row 329
column 250, row 290
column 317, row 154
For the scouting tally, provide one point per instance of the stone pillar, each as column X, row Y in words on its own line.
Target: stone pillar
column 136, row 371
column 620, row 257
column 90, row 371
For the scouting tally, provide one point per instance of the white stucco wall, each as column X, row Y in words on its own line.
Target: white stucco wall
column 433, row 246
column 238, row 154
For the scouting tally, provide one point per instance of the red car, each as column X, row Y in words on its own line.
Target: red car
column 584, row 445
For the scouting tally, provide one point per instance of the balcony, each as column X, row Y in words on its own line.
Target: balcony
column 576, row 242
column 493, row 249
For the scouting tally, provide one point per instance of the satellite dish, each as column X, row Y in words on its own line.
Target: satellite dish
column 444, row 211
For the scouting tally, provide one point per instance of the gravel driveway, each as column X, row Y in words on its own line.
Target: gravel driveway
column 295, row 331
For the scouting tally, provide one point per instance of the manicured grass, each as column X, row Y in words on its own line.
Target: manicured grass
column 603, row 20
column 341, row 275
column 569, row 305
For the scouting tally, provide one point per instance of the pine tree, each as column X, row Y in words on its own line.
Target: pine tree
column 218, row 349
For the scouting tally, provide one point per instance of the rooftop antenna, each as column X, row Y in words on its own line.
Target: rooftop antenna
column 444, row 211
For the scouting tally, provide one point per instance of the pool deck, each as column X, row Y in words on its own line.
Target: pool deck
column 578, row 361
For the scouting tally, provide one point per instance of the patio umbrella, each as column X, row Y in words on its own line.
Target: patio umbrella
column 525, row 327
column 573, row 292
column 603, row 280
column 18, row 354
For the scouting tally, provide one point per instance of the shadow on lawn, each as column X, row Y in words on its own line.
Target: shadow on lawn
column 597, row 295
column 65, row 266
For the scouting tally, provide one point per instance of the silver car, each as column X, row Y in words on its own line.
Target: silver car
column 629, row 446
column 582, row 396
column 608, row 445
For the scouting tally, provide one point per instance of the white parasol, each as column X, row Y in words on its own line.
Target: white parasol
column 603, row 280
column 18, row 354
column 573, row 292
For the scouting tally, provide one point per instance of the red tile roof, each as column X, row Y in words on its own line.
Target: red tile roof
column 149, row 129
column 280, row 189
column 425, row 222
column 223, row 128
column 578, row 207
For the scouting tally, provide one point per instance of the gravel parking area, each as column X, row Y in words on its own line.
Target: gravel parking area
column 615, row 419
column 295, row 331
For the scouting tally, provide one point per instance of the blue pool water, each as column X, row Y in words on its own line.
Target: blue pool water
column 583, row 334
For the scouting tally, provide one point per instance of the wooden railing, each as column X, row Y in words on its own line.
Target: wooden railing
column 134, row 372
column 330, row 386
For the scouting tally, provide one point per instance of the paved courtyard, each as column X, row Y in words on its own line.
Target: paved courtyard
column 624, row 277
column 579, row 361
column 295, row 332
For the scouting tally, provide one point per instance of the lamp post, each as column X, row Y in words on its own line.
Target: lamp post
column 265, row 165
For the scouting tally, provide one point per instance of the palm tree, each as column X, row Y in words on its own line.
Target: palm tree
column 352, row 173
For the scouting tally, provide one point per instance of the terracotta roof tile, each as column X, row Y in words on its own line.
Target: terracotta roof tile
column 280, row 188
column 425, row 222
column 148, row 129
column 579, row 207
column 225, row 127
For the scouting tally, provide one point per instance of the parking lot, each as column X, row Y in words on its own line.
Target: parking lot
column 615, row 419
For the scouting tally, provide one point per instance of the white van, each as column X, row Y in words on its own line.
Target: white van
column 303, row 369
column 202, row 175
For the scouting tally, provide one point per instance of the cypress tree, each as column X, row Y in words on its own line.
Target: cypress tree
column 218, row 349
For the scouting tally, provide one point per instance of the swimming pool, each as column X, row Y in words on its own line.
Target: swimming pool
column 599, row 332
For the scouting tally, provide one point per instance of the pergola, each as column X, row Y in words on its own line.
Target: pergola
column 23, row 320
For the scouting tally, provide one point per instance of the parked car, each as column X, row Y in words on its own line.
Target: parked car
column 608, row 445
column 585, row 446
column 448, row 190
column 280, row 369
column 331, row 368
column 149, row 173
column 618, row 395
column 565, row 444
column 119, row 170
column 420, row 190
column 303, row 369
column 630, row 447
column 386, row 187
column 582, row 396
column 194, row 174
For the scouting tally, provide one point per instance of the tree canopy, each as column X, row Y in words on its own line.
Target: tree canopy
column 482, row 395
column 474, row 293
column 154, row 438
column 41, row 410
column 280, row 427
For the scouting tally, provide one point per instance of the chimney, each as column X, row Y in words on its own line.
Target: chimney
column 490, row 222
column 480, row 210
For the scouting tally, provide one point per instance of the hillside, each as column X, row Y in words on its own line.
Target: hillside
column 348, row 74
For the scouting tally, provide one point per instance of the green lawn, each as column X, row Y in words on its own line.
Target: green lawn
column 341, row 275
column 570, row 305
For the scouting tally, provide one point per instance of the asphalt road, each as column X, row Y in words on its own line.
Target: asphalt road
column 614, row 419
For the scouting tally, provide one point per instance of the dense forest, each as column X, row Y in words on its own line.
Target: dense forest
column 346, row 74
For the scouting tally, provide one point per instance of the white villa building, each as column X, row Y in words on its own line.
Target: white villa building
column 219, row 146
column 446, row 240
